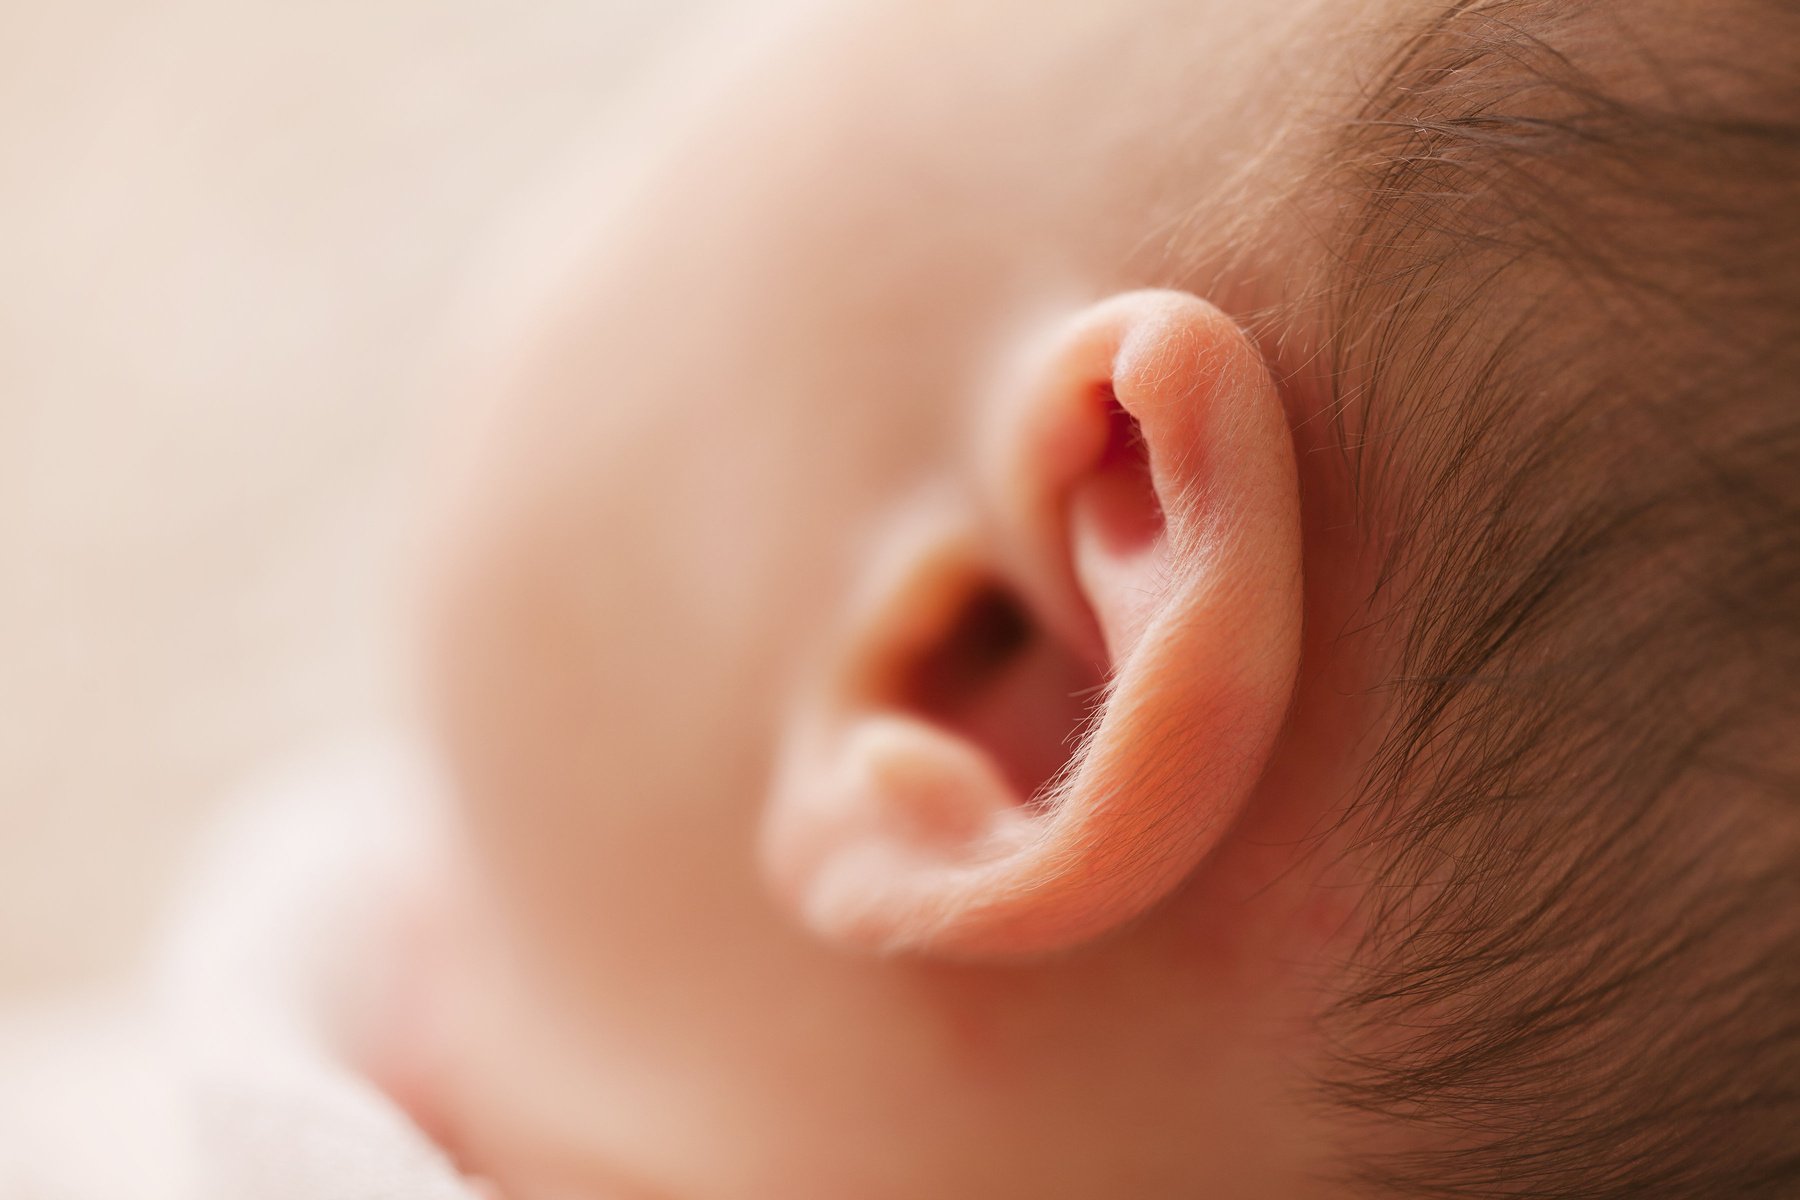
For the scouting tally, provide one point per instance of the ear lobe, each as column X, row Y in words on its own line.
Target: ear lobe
column 1057, row 699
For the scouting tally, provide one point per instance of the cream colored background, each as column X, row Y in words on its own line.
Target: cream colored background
column 228, row 229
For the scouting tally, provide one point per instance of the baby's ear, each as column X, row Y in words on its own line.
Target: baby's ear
column 1060, row 692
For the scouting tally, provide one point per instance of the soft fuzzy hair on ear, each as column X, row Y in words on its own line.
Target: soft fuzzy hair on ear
column 1564, row 318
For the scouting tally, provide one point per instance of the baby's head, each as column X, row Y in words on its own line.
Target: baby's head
column 1155, row 600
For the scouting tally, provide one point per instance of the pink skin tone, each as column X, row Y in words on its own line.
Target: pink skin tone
column 789, row 873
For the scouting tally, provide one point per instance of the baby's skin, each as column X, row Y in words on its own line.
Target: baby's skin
column 890, row 640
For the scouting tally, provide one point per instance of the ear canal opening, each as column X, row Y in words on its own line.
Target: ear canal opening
column 996, row 678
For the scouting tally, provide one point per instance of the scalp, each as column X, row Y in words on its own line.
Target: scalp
column 1563, row 310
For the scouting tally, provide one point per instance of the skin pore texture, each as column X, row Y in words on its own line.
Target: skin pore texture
column 891, row 639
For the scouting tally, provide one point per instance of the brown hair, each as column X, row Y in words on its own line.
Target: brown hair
column 1565, row 308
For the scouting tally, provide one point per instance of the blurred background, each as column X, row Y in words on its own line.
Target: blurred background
column 229, row 231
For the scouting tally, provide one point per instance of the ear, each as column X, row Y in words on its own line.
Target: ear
column 1058, row 696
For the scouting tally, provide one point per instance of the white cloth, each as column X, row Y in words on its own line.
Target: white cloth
column 215, row 1076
